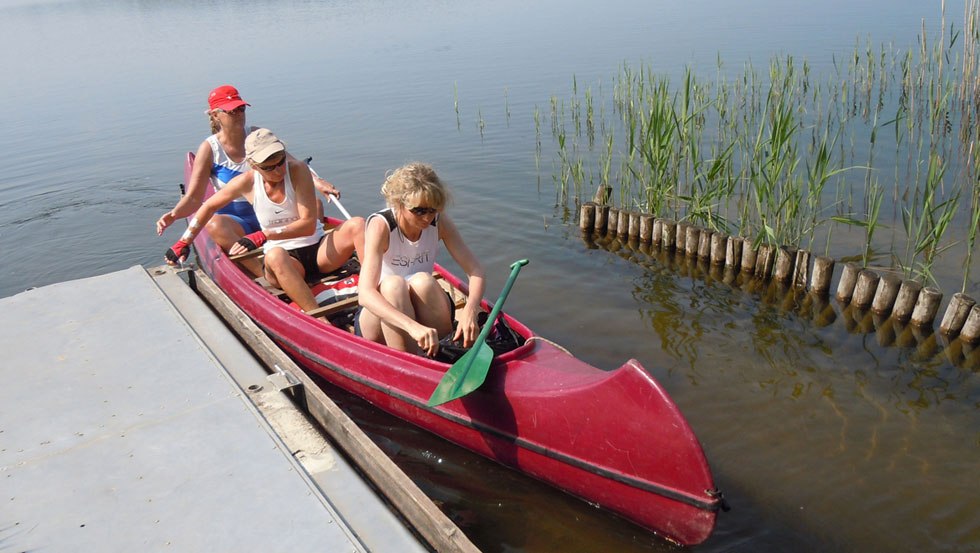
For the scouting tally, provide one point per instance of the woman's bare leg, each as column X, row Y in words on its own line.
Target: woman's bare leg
column 430, row 303
column 287, row 273
column 225, row 231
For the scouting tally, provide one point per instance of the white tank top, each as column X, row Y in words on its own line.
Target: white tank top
column 274, row 216
column 404, row 257
column 223, row 168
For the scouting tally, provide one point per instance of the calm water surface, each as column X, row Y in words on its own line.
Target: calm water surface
column 825, row 431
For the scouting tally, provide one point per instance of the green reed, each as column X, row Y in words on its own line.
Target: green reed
column 774, row 156
column 926, row 220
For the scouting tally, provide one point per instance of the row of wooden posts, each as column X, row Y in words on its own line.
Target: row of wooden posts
column 820, row 309
column 883, row 292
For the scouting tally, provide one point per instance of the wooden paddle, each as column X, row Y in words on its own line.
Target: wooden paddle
column 470, row 370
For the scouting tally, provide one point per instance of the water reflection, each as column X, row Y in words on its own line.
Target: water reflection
column 689, row 296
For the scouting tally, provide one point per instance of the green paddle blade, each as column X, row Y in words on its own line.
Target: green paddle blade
column 470, row 370
column 466, row 375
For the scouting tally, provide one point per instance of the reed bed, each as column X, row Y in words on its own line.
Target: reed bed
column 887, row 139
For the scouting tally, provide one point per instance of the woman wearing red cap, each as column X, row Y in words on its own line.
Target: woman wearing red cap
column 220, row 158
column 280, row 188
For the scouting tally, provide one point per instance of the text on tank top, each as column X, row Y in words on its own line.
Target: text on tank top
column 405, row 257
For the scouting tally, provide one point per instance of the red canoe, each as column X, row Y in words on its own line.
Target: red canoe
column 613, row 438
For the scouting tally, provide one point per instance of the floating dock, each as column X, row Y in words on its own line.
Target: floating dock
column 135, row 420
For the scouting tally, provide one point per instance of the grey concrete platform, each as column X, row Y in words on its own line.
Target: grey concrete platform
column 128, row 422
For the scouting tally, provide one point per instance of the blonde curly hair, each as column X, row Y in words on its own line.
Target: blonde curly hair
column 415, row 184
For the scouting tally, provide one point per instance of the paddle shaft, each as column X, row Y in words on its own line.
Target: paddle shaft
column 331, row 197
column 499, row 304
column 470, row 370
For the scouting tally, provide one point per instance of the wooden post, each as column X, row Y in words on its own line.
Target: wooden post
column 785, row 258
column 908, row 294
column 926, row 306
column 802, row 270
column 719, row 241
column 749, row 257
column 669, row 234
column 764, row 261
column 733, row 252
column 634, row 228
column 657, row 238
column 864, row 290
column 691, row 241
column 956, row 313
column 646, row 228
column 848, row 279
column 602, row 194
column 823, row 272
column 601, row 213
column 729, row 276
column 612, row 221
column 971, row 328
column 884, row 299
column 623, row 226
column 587, row 219
column 704, row 244
column 681, row 238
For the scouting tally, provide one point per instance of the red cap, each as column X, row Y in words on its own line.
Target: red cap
column 225, row 97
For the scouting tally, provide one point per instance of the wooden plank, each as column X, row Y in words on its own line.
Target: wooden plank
column 247, row 255
column 459, row 299
column 408, row 500
column 333, row 308
column 339, row 274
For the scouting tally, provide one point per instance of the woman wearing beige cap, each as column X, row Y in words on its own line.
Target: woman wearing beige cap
column 280, row 190
column 219, row 159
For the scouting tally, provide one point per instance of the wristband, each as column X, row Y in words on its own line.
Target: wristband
column 252, row 241
column 178, row 252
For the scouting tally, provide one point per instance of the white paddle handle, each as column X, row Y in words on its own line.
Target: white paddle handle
column 332, row 198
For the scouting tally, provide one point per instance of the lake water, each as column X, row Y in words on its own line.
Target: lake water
column 826, row 433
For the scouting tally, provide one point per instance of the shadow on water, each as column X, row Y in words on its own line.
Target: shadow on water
column 501, row 510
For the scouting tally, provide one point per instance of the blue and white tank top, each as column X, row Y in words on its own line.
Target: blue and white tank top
column 274, row 216
column 223, row 168
column 404, row 257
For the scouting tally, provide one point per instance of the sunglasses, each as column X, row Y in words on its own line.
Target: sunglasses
column 421, row 211
column 273, row 166
column 237, row 111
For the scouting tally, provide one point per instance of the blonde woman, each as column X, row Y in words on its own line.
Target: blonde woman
column 402, row 304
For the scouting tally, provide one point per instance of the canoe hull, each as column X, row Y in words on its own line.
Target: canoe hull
column 613, row 438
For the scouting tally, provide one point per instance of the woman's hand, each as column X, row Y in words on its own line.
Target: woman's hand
column 165, row 221
column 469, row 327
column 427, row 338
column 325, row 187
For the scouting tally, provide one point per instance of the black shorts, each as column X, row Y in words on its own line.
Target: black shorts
column 307, row 257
